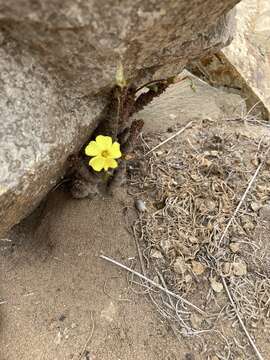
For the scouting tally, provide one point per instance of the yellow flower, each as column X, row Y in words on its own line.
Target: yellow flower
column 104, row 153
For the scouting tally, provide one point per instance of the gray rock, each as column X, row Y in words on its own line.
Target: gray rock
column 58, row 60
column 244, row 66
column 252, row 39
column 189, row 98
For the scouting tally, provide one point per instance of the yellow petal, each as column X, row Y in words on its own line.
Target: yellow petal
column 97, row 163
column 104, row 142
column 115, row 151
column 110, row 163
column 92, row 149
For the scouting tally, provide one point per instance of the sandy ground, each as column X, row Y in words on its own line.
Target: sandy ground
column 59, row 300
column 58, row 290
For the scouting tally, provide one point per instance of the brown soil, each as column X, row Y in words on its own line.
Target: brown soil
column 57, row 288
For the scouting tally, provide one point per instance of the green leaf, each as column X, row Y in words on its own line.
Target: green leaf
column 120, row 77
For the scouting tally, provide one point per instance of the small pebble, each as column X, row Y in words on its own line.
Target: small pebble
column 62, row 317
column 140, row 205
column 170, row 129
column 234, row 247
column 156, row 254
column 239, row 268
column 255, row 206
column 265, row 212
column 172, row 116
column 180, row 266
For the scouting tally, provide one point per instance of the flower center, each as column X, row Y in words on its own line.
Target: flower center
column 105, row 153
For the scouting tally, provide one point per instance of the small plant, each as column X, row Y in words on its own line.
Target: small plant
column 103, row 152
column 117, row 129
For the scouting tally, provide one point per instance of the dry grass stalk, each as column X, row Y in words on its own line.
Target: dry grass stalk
column 153, row 283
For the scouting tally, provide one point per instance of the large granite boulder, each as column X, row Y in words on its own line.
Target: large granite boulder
column 58, row 59
column 245, row 64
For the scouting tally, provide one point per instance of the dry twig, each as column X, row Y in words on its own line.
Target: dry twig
column 88, row 339
column 170, row 138
column 252, row 343
column 242, row 200
column 178, row 297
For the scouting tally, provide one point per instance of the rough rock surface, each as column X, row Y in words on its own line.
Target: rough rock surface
column 190, row 99
column 58, row 59
column 245, row 64
column 249, row 53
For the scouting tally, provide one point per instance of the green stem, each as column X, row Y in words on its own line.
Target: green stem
column 105, row 176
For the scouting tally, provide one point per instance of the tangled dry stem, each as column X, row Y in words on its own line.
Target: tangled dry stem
column 199, row 203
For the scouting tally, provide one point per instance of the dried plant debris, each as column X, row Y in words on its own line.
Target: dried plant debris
column 191, row 187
